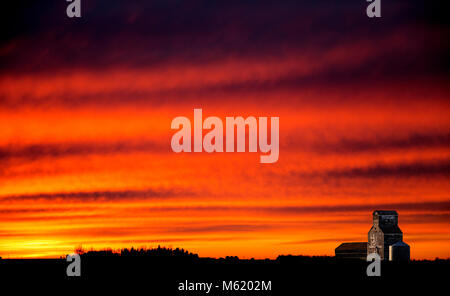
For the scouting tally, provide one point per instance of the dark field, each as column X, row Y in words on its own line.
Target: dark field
column 162, row 274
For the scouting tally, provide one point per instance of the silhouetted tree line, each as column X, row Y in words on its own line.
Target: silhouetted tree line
column 163, row 252
column 138, row 252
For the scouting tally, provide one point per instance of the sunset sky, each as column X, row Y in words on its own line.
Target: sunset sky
column 86, row 107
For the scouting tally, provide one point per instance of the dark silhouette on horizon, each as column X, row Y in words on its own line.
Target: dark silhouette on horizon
column 162, row 269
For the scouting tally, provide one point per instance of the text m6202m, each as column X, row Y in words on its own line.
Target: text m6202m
column 246, row 285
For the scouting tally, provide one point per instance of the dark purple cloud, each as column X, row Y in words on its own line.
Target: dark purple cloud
column 402, row 170
column 109, row 195
column 342, row 146
column 439, row 168
column 375, row 144
column 146, row 33
column 37, row 151
column 431, row 206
